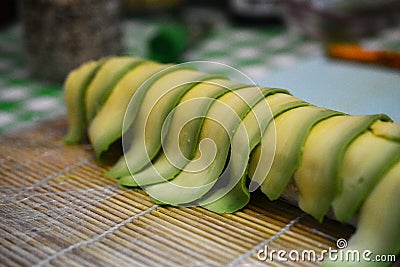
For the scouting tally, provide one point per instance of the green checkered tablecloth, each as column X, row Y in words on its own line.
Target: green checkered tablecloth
column 254, row 51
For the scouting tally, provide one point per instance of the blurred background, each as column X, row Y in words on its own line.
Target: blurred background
column 268, row 40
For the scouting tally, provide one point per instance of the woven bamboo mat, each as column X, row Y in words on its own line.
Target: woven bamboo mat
column 57, row 209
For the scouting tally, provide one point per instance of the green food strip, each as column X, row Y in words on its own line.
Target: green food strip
column 291, row 129
column 378, row 229
column 158, row 102
column 202, row 172
column 182, row 136
column 107, row 126
column 254, row 123
column 194, row 139
column 317, row 177
column 75, row 88
column 366, row 160
column 103, row 83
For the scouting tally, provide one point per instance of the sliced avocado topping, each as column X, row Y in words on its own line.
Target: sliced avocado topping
column 103, row 83
column 182, row 136
column 378, row 228
column 107, row 126
column 317, row 180
column 202, row 172
column 254, row 123
column 145, row 138
column 291, row 129
column 365, row 162
column 75, row 87
column 188, row 141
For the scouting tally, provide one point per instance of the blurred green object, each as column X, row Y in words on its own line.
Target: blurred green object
column 168, row 43
column 174, row 35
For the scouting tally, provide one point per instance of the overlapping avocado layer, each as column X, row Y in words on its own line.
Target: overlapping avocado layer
column 198, row 139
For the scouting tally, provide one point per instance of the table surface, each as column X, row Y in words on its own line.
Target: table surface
column 257, row 52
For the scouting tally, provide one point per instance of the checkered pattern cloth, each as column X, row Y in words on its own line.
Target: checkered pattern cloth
column 254, row 51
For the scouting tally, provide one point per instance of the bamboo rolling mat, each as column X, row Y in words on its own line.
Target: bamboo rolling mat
column 57, row 209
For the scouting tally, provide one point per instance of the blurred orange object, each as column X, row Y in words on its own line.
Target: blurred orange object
column 355, row 52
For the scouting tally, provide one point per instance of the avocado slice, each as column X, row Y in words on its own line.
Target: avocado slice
column 181, row 139
column 255, row 124
column 291, row 129
column 145, row 137
column 378, row 228
column 103, row 83
column 317, row 180
column 365, row 162
column 387, row 130
column 107, row 126
column 201, row 173
column 75, row 87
